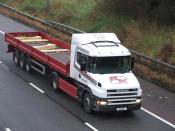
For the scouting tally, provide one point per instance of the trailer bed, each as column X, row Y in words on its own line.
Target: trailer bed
column 58, row 53
column 44, row 48
column 63, row 57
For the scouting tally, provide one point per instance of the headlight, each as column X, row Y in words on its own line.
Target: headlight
column 138, row 100
column 102, row 103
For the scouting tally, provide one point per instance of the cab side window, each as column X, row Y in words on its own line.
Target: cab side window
column 82, row 58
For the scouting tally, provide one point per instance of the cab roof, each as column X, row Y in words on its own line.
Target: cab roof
column 84, row 38
column 99, row 44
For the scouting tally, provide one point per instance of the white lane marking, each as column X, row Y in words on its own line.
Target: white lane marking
column 3, row 65
column 33, row 85
column 90, row 126
column 8, row 129
column 158, row 117
column 2, row 32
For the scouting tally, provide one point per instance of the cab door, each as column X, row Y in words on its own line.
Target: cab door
column 81, row 59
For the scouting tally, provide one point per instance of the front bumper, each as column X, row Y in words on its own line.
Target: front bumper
column 111, row 108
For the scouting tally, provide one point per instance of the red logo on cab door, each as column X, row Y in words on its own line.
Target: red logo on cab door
column 118, row 80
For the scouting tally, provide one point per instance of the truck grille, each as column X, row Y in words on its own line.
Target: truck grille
column 122, row 96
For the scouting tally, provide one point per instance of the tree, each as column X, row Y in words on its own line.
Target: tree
column 160, row 11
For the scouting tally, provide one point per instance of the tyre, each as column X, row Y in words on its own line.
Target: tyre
column 54, row 81
column 28, row 65
column 87, row 103
column 16, row 57
column 22, row 61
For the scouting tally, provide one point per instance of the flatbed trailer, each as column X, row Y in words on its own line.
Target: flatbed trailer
column 47, row 54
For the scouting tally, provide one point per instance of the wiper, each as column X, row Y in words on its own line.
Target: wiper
column 124, row 71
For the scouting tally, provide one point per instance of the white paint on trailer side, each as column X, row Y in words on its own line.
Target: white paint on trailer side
column 158, row 117
column 37, row 88
column 43, row 67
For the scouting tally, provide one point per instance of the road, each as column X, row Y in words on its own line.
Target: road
column 28, row 104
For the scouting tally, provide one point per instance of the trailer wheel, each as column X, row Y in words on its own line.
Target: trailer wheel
column 54, row 81
column 16, row 57
column 87, row 103
column 22, row 61
column 28, row 65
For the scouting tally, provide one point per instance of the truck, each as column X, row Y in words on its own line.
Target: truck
column 95, row 69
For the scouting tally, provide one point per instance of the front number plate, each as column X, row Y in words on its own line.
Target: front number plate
column 121, row 109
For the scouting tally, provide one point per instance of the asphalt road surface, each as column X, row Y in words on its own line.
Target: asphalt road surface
column 28, row 104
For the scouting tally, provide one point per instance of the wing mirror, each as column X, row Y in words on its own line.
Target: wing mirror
column 83, row 67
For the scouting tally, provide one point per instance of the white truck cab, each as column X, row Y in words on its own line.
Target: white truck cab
column 102, row 67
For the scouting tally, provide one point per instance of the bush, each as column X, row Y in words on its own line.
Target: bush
column 160, row 11
column 166, row 52
column 34, row 6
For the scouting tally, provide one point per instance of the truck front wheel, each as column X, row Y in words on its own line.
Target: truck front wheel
column 54, row 81
column 87, row 103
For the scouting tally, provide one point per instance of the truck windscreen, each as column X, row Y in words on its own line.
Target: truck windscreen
column 109, row 65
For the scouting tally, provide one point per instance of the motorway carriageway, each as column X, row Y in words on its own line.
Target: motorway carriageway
column 26, row 102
